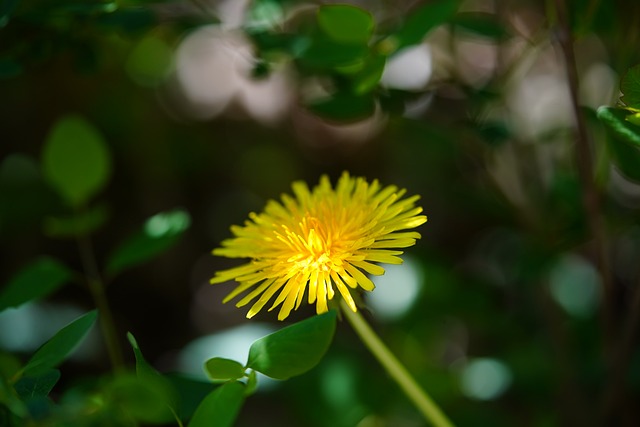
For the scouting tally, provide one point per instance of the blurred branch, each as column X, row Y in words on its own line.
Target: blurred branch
column 96, row 287
column 591, row 198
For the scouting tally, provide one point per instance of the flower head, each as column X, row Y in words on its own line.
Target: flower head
column 321, row 240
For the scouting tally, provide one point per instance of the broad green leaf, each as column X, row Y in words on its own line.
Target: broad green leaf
column 481, row 23
column 368, row 79
column 624, row 141
column 160, row 232
column 75, row 160
column 345, row 23
column 141, row 398
column 219, row 368
column 424, row 19
column 323, row 54
column 344, row 107
column 220, row 407
column 37, row 280
column 60, row 345
column 295, row 349
column 82, row 224
column 630, row 87
column 37, row 386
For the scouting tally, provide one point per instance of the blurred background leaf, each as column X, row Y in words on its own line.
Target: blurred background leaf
column 75, row 160
column 37, row 280
column 160, row 232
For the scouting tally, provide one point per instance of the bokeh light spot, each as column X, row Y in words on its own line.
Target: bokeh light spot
column 574, row 285
column 396, row 290
column 485, row 379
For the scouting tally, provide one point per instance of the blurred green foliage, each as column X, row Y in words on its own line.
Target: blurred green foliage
column 110, row 172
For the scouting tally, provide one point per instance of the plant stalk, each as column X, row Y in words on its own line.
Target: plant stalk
column 96, row 287
column 429, row 409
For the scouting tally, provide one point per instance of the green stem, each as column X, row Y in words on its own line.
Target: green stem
column 398, row 372
column 96, row 287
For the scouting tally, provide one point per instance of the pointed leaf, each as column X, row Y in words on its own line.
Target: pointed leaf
column 75, row 160
column 624, row 142
column 160, row 233
column 346, row 24
column 38, row 385
column 37, row 280
column 143, row 368
column 615, row 121
column 151, row 376
column 295, row 349
column 60, row 345
column 219, row 368
column 220, row 407
column 630, row 87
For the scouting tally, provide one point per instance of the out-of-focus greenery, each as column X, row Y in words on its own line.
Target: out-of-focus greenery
column 135, row 132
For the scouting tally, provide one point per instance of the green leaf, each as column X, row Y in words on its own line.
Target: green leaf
column 368, row 79
column 38, row 385
column 220, row 407
column 160, row 232
column 60, row 345
column 168, row 396
column 481, row 23
column 423, row 20
column 75, row 160
column 633, row 119
column 323, row 54
column 219, row 368
column 143, row 368
column 82, row 224
column 615, row 122
column 344, row 107
column 143, row 399
column 345, row 23
column 295, row 349
column 37, row 280
column 624, row 143
column 630, row 87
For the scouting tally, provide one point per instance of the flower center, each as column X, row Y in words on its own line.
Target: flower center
column 313, row 246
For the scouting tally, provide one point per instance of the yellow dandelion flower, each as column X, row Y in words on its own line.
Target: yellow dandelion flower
column 322, row 239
